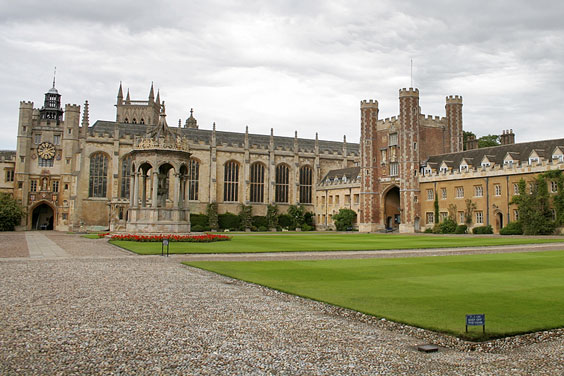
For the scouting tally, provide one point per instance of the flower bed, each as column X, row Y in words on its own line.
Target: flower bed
column 205, row 238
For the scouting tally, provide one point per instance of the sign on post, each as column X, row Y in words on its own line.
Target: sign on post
column 164, row 244
column 476, row 320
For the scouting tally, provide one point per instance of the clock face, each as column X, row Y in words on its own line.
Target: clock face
column 46, row 150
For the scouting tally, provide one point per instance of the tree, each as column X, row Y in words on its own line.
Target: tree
column 246, row 215
column 452, row 212
column 211, row 212
column 487, row 141
column 272, row 216
column 558, row 199
column 469, row 212
column 535, row 215
column 344, row 219
column 297, row 212
column 10, row 212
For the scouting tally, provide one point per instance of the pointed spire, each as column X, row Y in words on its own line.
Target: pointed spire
column 158, row 100
column 127, row 99
column 120, row 92
column 151, row 93
column 85, row 116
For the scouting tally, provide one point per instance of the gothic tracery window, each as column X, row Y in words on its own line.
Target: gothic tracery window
column 305, row 184
column 125, row 177
column 257, row 182
column 193, row 179
column 231, row 181
column 282, row 183
column 98, row 182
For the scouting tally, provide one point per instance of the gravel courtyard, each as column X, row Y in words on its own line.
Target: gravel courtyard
column 102, row 311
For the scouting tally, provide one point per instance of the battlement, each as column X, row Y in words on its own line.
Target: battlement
column 26, row 104
column 409, row 92
column 370, row 103
column 454, row 99
column 387, row 121
column 72, row 107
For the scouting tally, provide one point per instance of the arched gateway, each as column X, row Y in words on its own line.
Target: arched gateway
column 392, row 208
column 159, row 191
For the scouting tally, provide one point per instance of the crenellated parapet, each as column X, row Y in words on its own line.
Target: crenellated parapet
column 409, row 92
column 454, row 99
column 369, row 103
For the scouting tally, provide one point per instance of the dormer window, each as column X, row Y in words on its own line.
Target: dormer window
column 428, row 171
column 508, row 162
column 533, row 160
column 463, row 168
column 444, row 169
column 558, row 157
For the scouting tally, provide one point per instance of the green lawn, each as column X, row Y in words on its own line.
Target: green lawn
column 518, row 292
column 293, row 242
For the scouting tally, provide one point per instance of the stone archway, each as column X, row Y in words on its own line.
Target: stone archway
column 43, row 217
column 392, row 208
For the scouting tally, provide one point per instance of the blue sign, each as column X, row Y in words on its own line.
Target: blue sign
column 476, row 320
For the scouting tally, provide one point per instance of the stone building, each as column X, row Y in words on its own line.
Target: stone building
column 392, row 151
column 69, row 175
column 488, row 177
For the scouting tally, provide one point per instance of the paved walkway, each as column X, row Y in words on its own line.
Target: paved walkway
column 40, row 246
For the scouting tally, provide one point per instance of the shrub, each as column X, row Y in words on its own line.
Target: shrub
column 308, row 218
column 246, row 216
column 461, row 229
column 199, row 220
column 297, row 212
column 213, row 219
column 197, row 228
column 512, row 228
column 260, row 221
column 447, row 226
column 482, row 230
column 428, row 230
column 262, row 228
column 272, row 216
column 10, row 212
column 229, row 221
column 306, row 227
column 344, row 219
column 286, row 221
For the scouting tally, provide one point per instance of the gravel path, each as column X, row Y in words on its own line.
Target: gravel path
column 111, row 313
column 13, row 244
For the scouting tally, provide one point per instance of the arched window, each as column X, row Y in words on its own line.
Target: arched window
column 125, row 177
column 257, row 182
column 134, row 121
column 126, row 120
column 98, row 183
column 193, row 179
column 231, row 181
column 142, row 121
column 282, row 183
column 305, row 184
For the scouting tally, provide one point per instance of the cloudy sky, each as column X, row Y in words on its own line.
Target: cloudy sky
column 290, row 65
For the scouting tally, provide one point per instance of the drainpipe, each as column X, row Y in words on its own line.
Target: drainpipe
column 487, row 201
column 507, row 194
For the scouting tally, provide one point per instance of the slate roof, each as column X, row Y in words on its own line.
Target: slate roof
column 351, row 173
column 234, row 139
column 496, row 154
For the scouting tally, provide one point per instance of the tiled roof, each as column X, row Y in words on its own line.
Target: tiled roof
column 496, row 154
